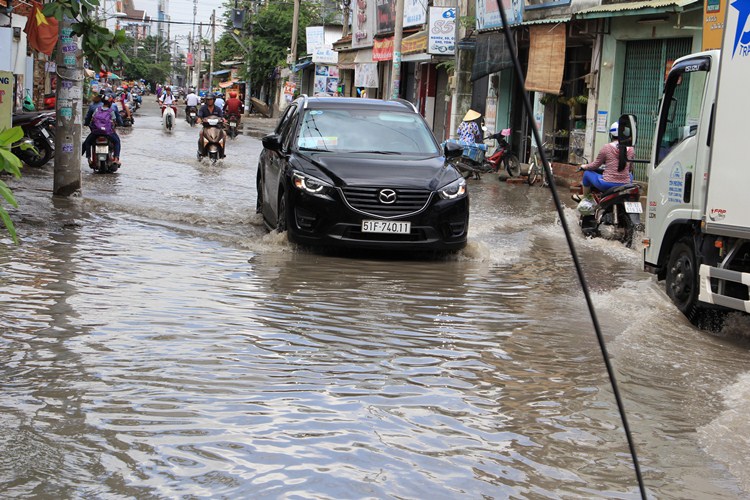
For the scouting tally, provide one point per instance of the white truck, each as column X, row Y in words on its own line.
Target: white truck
column 698, row 215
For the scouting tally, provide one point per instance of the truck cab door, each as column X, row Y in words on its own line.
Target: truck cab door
column 682, row 128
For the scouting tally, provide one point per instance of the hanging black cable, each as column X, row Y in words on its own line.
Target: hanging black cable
column 579, row 270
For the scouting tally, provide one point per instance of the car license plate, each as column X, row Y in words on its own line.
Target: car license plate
column 633, row 207
column 385, row 226
column 102, row 149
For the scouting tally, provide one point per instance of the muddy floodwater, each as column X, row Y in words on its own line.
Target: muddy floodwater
column 158, row 342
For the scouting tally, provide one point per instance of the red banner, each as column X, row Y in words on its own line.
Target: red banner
column 382, row 50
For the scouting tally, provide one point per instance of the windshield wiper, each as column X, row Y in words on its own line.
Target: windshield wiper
column 378, row 152
column 312, row 149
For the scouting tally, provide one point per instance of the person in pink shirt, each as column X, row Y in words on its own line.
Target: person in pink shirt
column 614, row 174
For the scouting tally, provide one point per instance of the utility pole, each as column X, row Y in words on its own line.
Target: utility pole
column 398, row 32
column 199, row 52
column 213, row 42
column 67, row 173
column 192, row 44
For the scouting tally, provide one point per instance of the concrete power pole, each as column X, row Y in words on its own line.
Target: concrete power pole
column 398, row 33
column 67, row 173
column 199, row 57
column 213, row 42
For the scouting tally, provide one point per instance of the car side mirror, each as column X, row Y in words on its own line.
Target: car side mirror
column 627, row 132
column 453, row 150
column 272, row 142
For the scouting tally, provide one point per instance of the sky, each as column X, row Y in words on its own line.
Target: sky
column 182, row 10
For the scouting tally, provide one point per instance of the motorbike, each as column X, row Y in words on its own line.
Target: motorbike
column 502, row 155
column 470, row 163
column 614, row 214
column 233, row 121
column 102, row 155
column 39, row 132
column 168, row 113
column 213, row 140
column 191, row 112
column 137, row 100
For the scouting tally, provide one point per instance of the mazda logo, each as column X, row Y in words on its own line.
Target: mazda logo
column 387, row 196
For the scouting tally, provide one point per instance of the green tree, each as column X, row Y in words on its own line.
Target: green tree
column 154, row 62
column 267, row 32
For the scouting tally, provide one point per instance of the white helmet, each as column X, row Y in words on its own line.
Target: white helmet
column 613, row 130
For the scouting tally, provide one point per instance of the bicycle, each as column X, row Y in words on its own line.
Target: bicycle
column 536, row 169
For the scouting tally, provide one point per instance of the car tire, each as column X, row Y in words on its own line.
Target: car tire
column 281, row 219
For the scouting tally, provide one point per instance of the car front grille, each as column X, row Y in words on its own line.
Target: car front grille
column 367, row 201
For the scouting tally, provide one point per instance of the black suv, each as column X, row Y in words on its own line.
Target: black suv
column 361, row 173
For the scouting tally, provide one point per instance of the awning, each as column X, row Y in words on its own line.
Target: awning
column 547, row 20
column 221, row 72
column 417, row 58
column 643, row 7
column 414, row 44
column 346, row 59
column 301, row 66
column 228, row 83
column 546, row 58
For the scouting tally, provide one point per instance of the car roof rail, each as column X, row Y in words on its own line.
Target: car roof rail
column 406, row 103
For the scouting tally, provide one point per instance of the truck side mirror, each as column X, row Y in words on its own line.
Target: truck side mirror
column 627, row 130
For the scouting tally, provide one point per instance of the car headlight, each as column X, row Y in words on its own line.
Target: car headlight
column 310, row 185
column 455, row 189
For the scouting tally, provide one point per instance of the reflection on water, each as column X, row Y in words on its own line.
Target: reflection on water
column 158, row 343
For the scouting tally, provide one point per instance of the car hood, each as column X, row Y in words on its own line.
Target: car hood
column 364, row 169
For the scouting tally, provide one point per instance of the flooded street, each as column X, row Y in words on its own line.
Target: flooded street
column 157, row 342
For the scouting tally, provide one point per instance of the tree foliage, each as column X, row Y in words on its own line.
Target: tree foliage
column 101, row 47
column 154, row 62
column 9, row 163
column 267, row 33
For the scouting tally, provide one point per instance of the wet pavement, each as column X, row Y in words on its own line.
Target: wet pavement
column 158, row 342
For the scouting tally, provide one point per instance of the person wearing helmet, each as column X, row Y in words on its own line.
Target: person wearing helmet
column 233, row 107
column 220, row 101
column 105, row 103
column 208, row 109
column 614, row 174
column 167, row 98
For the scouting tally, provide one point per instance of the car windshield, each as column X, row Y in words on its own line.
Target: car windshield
column 365, row 131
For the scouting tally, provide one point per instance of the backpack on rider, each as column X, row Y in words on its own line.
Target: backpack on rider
column 102, row 122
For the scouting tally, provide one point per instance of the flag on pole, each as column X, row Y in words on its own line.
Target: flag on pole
column 41, row 31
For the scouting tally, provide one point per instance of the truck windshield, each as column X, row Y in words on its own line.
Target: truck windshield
column 680, row 114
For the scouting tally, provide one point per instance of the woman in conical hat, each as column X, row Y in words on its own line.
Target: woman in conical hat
column 469, row 131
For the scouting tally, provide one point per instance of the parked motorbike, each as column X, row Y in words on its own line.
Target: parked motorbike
column 233, row 121
column 39, row 132
column 168, row 114
column 102, row 155
column 191, row 113
column 212, row 142
column 502, row 155
column 614, row 214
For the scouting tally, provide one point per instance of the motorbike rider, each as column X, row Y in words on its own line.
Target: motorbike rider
column 191, row 100
column 99, row 128
column 167, row 98
column 233, row 106
column 208, row 109
column 614, row 174
column 220, row 101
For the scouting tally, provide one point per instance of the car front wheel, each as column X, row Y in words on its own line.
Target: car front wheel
column 281, row 219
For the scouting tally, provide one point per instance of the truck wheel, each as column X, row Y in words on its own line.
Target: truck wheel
column 682, row 279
